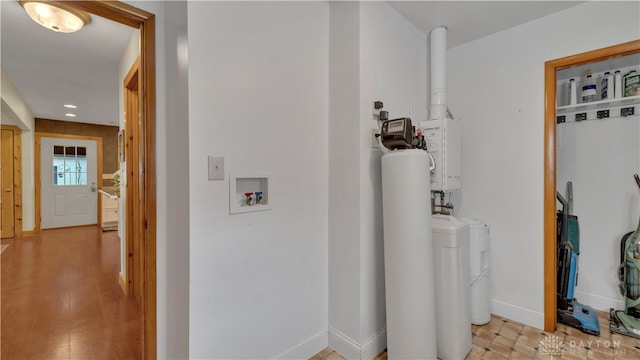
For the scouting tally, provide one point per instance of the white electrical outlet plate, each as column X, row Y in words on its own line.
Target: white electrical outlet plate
column 216, row 167
column 374, row 139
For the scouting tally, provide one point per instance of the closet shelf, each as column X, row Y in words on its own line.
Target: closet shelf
column 602, row 104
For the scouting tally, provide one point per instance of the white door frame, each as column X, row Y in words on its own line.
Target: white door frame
column 37, row 170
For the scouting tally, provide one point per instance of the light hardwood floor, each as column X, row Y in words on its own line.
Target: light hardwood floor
column 61, row 299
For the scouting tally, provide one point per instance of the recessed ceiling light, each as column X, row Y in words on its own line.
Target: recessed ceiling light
column 70, row 106
column 70, row 115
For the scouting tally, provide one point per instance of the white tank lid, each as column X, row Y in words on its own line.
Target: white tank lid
column 473, row 222
column 447, row 224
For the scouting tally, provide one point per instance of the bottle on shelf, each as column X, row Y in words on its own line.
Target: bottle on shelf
column 610, row 84
column 589, row 89
column 618, row 84
column 606, row 91
column 573, row 91
column 632, row 84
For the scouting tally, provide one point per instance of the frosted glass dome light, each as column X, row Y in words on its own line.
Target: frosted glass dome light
column 56, row 15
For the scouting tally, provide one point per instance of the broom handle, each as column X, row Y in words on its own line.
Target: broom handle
column 570, row 197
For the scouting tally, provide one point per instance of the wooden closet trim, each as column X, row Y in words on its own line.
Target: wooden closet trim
column 631, row 47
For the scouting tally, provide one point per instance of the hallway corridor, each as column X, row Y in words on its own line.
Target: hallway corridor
column 61, row 298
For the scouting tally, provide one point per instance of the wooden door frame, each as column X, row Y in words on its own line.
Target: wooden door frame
column 550, row 69
column 134, row 258
column 17, row 178
column 145, row 176
column 37, row 173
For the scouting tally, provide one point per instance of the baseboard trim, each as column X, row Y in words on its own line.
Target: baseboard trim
column 599, row 302
column 350, row 349
column 375, row 345
column 517, row 313
column 306, row 349
column 343, row 345
column 123, row 283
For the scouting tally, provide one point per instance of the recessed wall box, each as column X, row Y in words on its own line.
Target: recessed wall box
column 249, row 192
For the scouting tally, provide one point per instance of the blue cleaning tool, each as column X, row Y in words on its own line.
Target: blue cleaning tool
column 570, row 311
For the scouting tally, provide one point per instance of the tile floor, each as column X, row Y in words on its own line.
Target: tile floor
column 61, row 299
column 505, row 339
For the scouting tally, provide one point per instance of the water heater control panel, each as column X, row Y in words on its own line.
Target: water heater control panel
column 397, row 133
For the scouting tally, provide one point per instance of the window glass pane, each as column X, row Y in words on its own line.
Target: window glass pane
column 70, row 178
column 82, row 178
column 79, row 169
column 58, row 167
column 70, row 165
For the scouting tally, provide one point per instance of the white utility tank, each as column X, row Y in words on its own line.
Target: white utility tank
column 451, row 261
column 479, row 246
column 408, row 257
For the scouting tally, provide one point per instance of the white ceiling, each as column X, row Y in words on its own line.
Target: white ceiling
column 52, row 69
column 470, row 20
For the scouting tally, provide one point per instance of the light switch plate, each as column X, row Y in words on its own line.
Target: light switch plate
column 216, row 167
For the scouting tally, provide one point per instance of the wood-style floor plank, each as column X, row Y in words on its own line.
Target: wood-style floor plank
column 60, row 298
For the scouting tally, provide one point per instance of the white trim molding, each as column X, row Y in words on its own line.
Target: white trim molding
column 350, row 349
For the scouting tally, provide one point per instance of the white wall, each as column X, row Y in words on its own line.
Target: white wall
column 173, row 185
column 496, row 85
column 375, row 55
column 600, row 157
column 258, row 95
column 226, row 246
column 16, row 112
column 344, row 179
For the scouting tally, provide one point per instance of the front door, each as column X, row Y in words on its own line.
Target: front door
column 68, row 175
column 7, row 224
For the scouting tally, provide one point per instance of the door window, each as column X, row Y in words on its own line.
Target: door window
column 69, row 165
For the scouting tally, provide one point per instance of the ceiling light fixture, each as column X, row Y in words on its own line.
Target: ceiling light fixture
column 56, row 15
column 69, row 106
column 70, row 115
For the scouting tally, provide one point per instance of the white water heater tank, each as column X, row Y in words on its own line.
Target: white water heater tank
column 451, row 270
column 408, row 255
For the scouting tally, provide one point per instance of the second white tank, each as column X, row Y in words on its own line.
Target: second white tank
column 451, row 270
